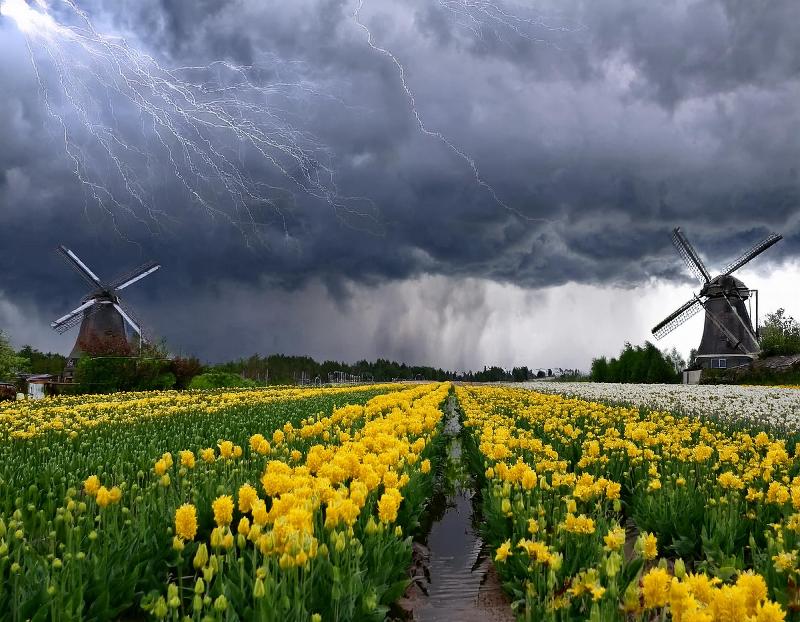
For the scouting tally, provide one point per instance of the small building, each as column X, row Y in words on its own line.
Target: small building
column 39, row 385
column 692, row 376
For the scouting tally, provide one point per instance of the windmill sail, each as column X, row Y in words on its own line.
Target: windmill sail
column 74, row 317
column 753, row 252
column 80, row 267
column 677, row 317
column 690, row 256
column 136, row 275
column 128, row 319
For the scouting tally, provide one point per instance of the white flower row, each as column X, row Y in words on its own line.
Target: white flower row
column 771, row 406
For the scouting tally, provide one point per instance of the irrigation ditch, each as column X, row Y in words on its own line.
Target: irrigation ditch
column 452, row 572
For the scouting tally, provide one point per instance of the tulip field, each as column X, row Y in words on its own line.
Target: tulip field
column 208, row 505
column 301, row 504
column 603, row 512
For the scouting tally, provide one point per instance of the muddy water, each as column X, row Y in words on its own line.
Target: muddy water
column 461, row 583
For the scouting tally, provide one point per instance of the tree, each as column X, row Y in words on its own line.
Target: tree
column 10, row 363
column 780, row 335
column 693, row 359
column 599, row 371
column 659, row 367
column 104, row 345
column 675, row 358
column 108, row 366
column 637, row 364
column 520, row 374
column 105, row 374
column 41, row 362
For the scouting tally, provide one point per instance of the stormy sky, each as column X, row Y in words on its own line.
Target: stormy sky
column 492, row 183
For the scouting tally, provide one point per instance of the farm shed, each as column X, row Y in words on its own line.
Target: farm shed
column 37, row 386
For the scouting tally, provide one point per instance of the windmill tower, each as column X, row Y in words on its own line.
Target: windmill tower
column 101, row 314
column 729, row 339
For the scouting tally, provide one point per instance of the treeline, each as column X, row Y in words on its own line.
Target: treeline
column 109, row 367
column 286, row 369
column 515, row 374
column 639, row 364
column 37, row 362
column 28, row 360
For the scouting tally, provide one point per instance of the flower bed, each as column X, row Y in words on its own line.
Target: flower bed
column 272, row 505
column 716, row 512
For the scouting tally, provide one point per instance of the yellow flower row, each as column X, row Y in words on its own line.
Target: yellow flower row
column 26, row 419
column 399, row 427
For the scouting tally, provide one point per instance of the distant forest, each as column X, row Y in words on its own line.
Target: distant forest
column 285, row 369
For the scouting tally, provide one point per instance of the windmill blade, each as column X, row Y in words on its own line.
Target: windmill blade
column 678, row 317
column 128, row 319
column 72, row 318
column 80, row 267
column 753, row 252
column 136, row 319
column 76, row 319
column 690, row 256
column 136, row 275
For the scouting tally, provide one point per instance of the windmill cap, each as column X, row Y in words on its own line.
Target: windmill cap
column 725, row 284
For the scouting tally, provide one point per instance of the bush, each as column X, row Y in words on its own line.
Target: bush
column 153, row 375
column 7, row 392
column 185, row 369
column 220, row 380
column 108, row 374
column 105, row 374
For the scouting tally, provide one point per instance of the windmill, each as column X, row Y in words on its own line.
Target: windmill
column 729, row 339
column 101, row 314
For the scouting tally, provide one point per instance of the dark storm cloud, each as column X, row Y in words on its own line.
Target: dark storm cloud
column 600, row 130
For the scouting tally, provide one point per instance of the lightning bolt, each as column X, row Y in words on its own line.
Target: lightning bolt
column 473, row 10
column 121, row 115
column 479, row 16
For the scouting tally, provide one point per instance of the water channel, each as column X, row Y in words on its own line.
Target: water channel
column 460, row 580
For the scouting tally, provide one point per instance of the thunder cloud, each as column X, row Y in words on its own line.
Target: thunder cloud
column 601, row 125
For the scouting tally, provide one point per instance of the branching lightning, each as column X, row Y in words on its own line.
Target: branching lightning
column 134, row 129
column 481, row 17
column 476, row 15
column 122, row 115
